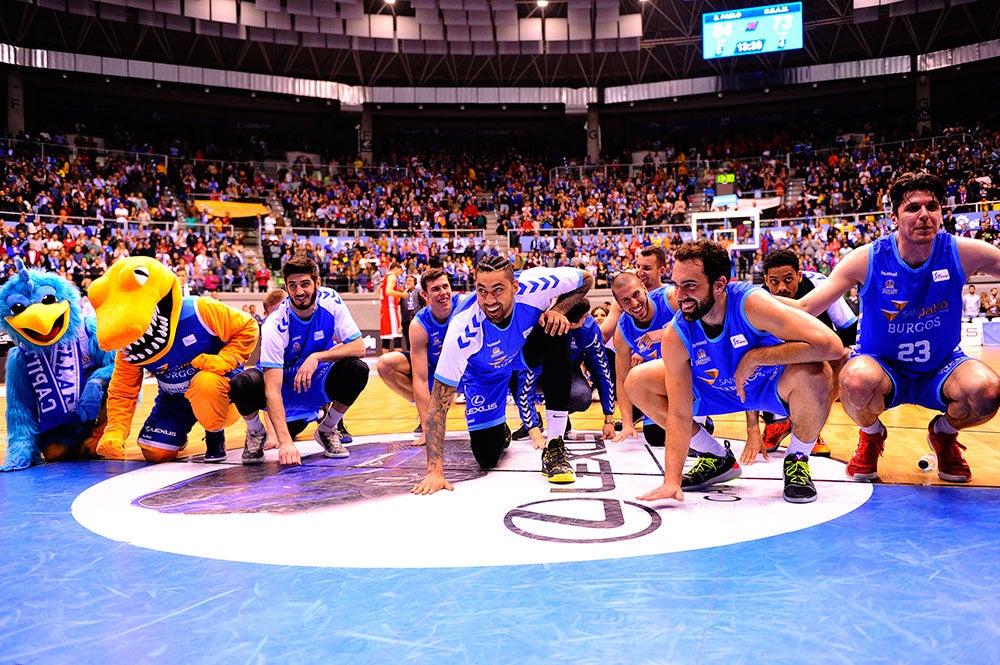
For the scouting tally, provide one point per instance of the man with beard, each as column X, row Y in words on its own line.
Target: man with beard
column 310, row 362
column 511, row 324
column 411, row 373
column 732, row 347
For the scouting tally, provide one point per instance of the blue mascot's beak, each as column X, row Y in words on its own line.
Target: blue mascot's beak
column 40, row 324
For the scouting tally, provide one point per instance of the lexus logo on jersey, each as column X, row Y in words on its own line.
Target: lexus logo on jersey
column 507, row 516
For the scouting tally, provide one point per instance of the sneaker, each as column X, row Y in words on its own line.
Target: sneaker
column 215, row 447
column 951, row 465
column 520, row 433
column 775, row 433
column 863, row 467
column 799, row 487
column 345, row 436
column 618, row 425
column 419, row 429
column 710, row 470
column 253, row 447
column 332, row 446
column 820, row 449
column 554, row 463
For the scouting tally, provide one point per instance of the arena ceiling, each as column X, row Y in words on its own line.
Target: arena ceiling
column 475, row 43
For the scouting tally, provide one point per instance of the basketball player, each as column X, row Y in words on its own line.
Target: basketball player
column 908, row 347
column 390, row 325
column 411, row 373
column 732, row 347
column 310, row 363
column 783, row 278
column 510, row 325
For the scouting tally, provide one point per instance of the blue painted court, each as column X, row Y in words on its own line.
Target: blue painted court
column 907, row 576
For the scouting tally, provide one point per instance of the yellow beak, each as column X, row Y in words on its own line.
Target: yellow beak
column 43, row 325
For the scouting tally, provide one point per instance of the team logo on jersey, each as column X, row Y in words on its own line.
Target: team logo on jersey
column 710, row 376
column 899, row 305
column 738, row 341
column 940, row 275
column 889, row 288
column 701, row 357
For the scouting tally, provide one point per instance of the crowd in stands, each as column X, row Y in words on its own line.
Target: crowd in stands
column 74, row 212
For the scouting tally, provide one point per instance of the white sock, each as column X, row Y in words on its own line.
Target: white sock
column 796, row 445
column 333, row 417
column 555, row 423
column 942, row 426
column 876, row 428
column 254, row 425
column 704, row 442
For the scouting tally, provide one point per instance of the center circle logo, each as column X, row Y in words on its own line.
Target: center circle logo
column 359, row 512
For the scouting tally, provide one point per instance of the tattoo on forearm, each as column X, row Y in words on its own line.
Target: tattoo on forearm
column 437, row 418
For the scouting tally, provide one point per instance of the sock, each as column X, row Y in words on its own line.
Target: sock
column 254, row 425
column 942, row 426
column 330, row 421
column 555, row 423
column 876, row 428
column 796, row 445
column 704, row 442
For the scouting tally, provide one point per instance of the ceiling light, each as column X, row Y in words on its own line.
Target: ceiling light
column 543, row 3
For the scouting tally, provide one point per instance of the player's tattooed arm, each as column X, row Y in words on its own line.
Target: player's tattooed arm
column 437, row 417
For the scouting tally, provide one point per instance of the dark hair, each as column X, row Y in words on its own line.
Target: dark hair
column 577, row 312
column 623, row 276
column 430, row 275
column 714, row 258
column 300, row 264
column 914, row 182
column 779, row 258
column 495, row 263
column 653, row 250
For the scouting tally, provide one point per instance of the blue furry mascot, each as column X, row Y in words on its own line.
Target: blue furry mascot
column 57, row 375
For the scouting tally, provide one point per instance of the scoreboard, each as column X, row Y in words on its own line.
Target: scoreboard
column 752, row 31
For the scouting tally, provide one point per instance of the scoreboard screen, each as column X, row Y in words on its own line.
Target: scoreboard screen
column 752, row 31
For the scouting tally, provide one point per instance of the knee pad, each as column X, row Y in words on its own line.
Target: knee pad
column 581, row 394
column 246, row 391
column 489, row 444
column 654, row 434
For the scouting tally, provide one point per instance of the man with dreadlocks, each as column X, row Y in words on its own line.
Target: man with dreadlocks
column 510, row 325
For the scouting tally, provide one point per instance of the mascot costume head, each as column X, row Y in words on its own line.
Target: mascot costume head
column 56, row 373
column 191, row 345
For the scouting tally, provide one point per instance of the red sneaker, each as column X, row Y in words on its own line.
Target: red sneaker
column 951, row 462
column 775, row 433
column 863, row 467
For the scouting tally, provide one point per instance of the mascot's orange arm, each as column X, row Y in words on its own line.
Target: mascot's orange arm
column 123, row 395
column 237, row 329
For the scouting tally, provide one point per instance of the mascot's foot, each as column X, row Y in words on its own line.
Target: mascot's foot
column 215, row 447
column 16, row 465
column 111, row 450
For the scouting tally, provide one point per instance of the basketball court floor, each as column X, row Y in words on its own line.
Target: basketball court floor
column 335, row 562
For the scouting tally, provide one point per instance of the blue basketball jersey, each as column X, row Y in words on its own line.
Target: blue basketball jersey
column 474, row 345
column 631, row 330
column 912, row 317
column 193, row 337
column 714, row 360
column 287, row 340
column 435, row 332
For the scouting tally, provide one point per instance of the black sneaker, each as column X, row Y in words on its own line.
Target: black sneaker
column 520, row 433
column 345, row 436
column 799, row 487
column 253, row 448
column 711, row 470
column 215, row 447
column 618, row 425
column 554, row 463
column 332, row 446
